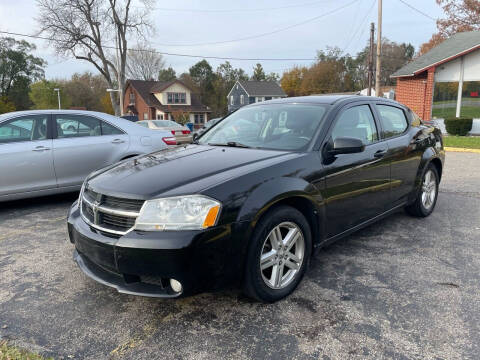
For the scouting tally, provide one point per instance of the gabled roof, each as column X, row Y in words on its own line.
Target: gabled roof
column 454, row 46
column 262, row 88
column 146, row 89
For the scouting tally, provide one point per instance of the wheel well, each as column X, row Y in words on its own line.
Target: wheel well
column 308, row 210
column 128, row 157
column 438, row 165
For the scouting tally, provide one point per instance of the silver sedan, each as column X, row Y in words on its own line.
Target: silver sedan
column 44, row 152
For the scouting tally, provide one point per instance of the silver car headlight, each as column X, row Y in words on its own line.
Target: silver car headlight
column 191, row 212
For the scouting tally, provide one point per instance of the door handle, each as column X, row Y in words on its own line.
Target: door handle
column 41, row 148
column 380, row 153
column 118, row 141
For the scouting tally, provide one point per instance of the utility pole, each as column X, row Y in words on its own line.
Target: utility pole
column 120, row 85
column 370, row 60
column 379, row 49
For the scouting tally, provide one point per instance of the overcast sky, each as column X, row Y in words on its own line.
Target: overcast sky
column 347, row 28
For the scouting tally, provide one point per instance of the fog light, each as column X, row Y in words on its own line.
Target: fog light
column 175, row 285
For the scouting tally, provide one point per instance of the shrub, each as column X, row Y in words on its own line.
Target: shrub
column 458, row 126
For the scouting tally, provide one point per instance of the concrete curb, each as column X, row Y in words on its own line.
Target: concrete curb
column 447, row 148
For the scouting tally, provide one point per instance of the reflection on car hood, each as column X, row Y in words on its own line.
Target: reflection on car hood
column 194, row 165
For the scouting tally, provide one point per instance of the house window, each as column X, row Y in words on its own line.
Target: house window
column 176, row 98
column 241, row 99
column 251, row 99
column 199, row 119
column 132, row 98
column 145, row 116
column 259, row 99
column 268, row 98
column 445, row 96
column 231, row 100
column 159, row 116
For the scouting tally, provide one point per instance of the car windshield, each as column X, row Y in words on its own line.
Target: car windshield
column 165, row 123
column 143, row 123
column 272, row 126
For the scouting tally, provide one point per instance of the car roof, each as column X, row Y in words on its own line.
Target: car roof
column 321, row 99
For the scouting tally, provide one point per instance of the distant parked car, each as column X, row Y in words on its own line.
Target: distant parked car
column 52, row 151
column 205, row 127
column 182, row 133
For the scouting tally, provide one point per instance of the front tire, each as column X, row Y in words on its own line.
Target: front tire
column 278, row 254
column 428, row 194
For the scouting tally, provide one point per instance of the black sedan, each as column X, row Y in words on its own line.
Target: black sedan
column 249, row 203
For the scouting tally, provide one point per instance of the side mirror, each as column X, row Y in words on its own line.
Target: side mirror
column 346, row 145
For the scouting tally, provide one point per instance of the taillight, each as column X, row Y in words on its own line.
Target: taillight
column 170, row 140
column 173, row 132
column 185, row 132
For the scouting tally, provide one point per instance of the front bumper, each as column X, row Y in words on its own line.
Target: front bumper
column 142, row 263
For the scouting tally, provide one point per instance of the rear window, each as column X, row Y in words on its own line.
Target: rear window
column 393, row 121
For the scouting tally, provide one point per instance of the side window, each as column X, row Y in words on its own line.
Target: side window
column 356, row 122
column 69, row 126
column 393, row 120
column 108, row 129
column 26, row 128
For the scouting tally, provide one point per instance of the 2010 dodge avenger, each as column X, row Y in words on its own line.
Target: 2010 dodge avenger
column 249, row 203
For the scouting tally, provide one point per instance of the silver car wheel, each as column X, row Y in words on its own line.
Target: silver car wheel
column 429, row 189
column 282, row 255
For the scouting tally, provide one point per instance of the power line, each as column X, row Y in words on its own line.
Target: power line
column 236, row 10
column 362, row 23
column 168, row 53
column 267, row 33
column 417, row 10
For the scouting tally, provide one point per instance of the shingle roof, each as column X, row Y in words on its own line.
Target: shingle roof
column 453, row 46
column 146, row 88
column 262, row 88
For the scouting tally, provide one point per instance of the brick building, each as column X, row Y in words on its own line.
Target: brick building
column 445, row 82
column 157, row 100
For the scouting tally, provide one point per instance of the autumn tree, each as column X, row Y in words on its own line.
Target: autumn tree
column 144, row 63
column 435, row 40
column 292, row 80
column 44, row 96
column 94, row 31
column 6, row 105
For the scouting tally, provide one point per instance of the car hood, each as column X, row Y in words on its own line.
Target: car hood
column 186, row 169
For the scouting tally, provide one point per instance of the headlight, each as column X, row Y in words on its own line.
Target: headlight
column 194, row 212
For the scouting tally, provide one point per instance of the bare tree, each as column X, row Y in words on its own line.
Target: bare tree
column 143, row 63
column 93, row 31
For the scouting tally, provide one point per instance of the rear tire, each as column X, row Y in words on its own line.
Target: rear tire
column 427, row 196
column 278, row 254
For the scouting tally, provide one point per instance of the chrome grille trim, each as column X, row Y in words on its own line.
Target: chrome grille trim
column 97, row 207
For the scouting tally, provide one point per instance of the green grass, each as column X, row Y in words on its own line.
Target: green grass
column 468, row 142
column 9, row 352
column 466, row 112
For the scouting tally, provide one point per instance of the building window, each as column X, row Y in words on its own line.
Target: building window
column 445, row 96
column 199, row 119
column 145, row 116
column 259, row 99
column 132, row 98
column 268, row 98
column 251, row 99
column 470, row 106
column 176, row 98
column 241, row 100
column 159, row 116
column 231, row 100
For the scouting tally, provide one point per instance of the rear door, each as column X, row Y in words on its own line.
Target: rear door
column 26, row 162
column 403, row 155
column 83, row 144
column 356, row 185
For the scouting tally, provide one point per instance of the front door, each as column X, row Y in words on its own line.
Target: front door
column 26, row 162
column 356, row 185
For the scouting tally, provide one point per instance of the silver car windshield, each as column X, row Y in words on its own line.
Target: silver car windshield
column 272, row 126
column 166, row 123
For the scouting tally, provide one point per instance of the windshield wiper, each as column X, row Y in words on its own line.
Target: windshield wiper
column 231, row 144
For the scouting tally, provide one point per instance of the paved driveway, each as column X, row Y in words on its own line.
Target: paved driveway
column 404, row 288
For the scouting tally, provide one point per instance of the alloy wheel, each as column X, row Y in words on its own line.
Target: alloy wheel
column 282, row 255
column 429, row 189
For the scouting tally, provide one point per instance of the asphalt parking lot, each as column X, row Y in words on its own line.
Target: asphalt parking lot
column 403, row 288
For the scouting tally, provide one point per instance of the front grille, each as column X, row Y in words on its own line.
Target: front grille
column 109, row 214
